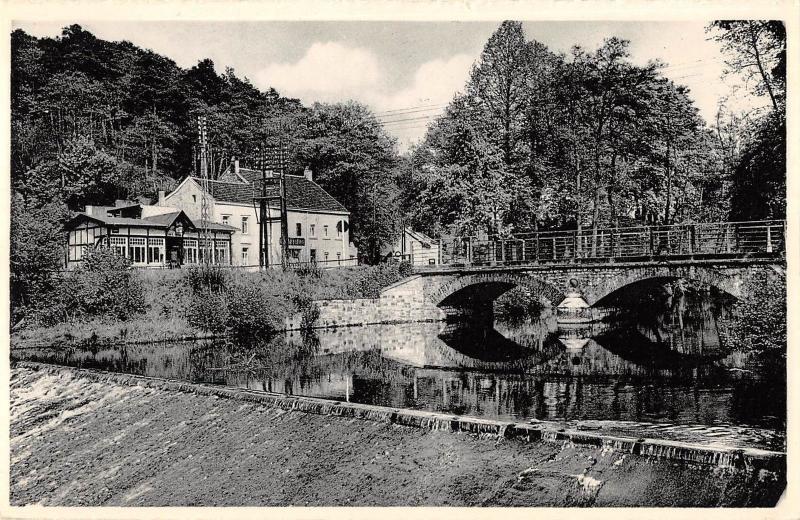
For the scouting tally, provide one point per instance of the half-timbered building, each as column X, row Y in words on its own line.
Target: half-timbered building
column 150, row 236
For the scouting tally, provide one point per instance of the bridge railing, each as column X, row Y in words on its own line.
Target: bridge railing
column 680, row 240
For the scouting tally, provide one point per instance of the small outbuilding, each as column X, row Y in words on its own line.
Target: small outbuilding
column 415, row 247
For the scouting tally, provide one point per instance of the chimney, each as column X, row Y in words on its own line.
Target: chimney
column 308, row 174
column 234, row 166
column 88, row 209
column 161, row 196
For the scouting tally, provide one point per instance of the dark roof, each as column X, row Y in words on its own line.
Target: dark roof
column 163, row 220
column 301, row 193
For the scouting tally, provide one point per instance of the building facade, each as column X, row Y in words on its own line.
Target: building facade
column 318, row 225
column 149, row 236
column 416, row 248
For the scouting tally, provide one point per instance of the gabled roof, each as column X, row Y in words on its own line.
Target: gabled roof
column 419, row 236
column 161, row 221
column 301, row 193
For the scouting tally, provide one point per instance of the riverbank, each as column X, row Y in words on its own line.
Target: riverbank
column 153, row 443
column 188, row 304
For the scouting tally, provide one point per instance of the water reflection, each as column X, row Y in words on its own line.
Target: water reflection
column 668, row 371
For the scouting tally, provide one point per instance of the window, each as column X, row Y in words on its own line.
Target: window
column 294, row 254
column 245, row 228
column 136, row 250
column 312, row 255
column 203, row 250
column 114, row 231
column 118, row 245
column 221, row 256
column 312, row 230
column 155, row 251
column 299, row 229
column 326, row 253
column 189, row 251
column 226, row 219
column 325, row 230
column 244, row 256
column 194, row 198
column 431, row 261
column 339, row 258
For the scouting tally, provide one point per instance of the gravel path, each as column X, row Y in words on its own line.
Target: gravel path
column 79, row 442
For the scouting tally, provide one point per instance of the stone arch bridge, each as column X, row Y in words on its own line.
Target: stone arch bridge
column 442, row 293
column 465, row 290
column 599, row 263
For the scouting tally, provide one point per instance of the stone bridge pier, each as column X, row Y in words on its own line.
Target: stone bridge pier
column 470, row 292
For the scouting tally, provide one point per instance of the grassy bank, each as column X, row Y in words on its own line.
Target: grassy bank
column 107, row 302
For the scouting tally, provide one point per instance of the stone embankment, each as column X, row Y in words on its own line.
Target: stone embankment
column 82, row 437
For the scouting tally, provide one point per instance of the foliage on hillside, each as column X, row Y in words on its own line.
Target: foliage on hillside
column 94, row 121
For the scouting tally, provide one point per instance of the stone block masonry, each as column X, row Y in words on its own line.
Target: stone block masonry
column 435, row 295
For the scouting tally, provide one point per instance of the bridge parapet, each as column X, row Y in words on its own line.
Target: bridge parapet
column 695, row 240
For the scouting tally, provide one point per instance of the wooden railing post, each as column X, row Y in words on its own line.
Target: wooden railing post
column 575, row 246
column 611, row 242
column 769, row 238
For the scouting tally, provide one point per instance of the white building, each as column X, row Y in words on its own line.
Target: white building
column 318, row 224
column 416, row 248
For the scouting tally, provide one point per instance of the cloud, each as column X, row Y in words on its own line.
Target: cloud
column 328, row 71
column 332, row 72
column 434, row 82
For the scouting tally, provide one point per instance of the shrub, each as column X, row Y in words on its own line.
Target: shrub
column 517, row 303
column 208, row 311
column 253, row 310
column 758, row 322
column 103, row 286
column 369, row 282
column 207, row 278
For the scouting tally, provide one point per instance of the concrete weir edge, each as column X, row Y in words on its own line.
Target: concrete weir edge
column 749, row 459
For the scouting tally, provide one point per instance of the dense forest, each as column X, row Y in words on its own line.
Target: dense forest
column 535, row 140
column 539, row 140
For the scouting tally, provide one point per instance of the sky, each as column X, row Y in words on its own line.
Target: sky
column 406, row 72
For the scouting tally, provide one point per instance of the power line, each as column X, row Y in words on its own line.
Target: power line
column 410, row 108
column 400, row 114
column 419, row 118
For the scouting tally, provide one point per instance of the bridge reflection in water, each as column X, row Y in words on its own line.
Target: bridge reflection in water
column 530, row 370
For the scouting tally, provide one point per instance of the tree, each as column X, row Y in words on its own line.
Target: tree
column 36, row 253
column 352, row 158
column 756, row 50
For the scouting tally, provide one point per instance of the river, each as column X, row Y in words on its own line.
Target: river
column 666, row 373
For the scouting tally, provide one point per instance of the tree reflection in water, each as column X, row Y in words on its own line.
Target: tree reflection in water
column 664, row 367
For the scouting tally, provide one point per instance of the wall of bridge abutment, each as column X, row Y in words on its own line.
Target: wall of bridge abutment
column 429, row 295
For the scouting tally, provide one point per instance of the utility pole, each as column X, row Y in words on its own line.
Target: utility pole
column 263, row 220
column 205, row 203
column 273, row 158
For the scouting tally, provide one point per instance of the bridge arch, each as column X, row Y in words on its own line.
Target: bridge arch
column 487, row 287
column 606, row 286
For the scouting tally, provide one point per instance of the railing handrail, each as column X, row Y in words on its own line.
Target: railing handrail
column 590, row 230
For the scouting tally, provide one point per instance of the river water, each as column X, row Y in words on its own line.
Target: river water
column 667, row 377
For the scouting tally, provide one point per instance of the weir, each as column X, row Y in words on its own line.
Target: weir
column 749, row 459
